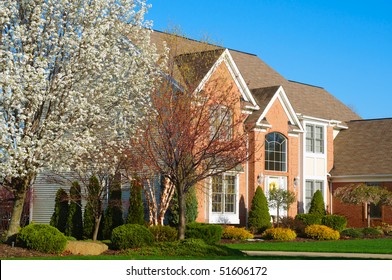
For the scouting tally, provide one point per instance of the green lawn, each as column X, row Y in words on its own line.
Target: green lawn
column 381, row 246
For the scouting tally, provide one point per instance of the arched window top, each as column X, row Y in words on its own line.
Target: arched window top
column 275, row 152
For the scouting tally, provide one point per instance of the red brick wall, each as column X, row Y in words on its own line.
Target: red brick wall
column 356, row 214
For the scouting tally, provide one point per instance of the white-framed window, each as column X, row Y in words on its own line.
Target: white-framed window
column 221, row 122
column 315, row 138
column 311, row 186
column 224, row 193
column 275, row 152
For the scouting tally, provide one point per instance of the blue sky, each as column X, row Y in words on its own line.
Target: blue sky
column 344, row 46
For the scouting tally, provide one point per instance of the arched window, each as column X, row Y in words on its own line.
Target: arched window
column 275, row 152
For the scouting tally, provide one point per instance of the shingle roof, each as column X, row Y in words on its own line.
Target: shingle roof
column 262, row 97
column 364, row 148
column 305, row 99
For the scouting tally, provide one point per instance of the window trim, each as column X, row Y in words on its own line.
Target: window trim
column 223, row 195
column 308, row 199
column 283, row 161
column 312, row 148
column 222, row 117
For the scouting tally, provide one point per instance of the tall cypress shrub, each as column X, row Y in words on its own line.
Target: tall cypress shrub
column 317, row 205
column 136, row 209
column 91, row 207
column 259, row 216
column 113, row 213
column 60, row 215
column 75, row 219
column 191, row 208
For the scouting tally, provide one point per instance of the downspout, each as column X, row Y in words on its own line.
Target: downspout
column 329, row 178
column 247, row 181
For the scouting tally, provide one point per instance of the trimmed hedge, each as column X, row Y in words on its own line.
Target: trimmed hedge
column 310, row 219
column 43, row 238
column 131, row 236
column 280, row 234
column 321, row 232
column 235, row 233
column 352, row 232
column 163, row 233
column 209, row 233
column 335, row 222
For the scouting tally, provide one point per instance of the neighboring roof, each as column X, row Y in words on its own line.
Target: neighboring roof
column 365, row 148
column 305, row 99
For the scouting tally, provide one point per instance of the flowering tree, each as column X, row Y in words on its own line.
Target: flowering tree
column 70, row 72
column 363, row 194
column 195, row 133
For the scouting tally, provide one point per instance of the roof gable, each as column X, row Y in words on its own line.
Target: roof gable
column 227, row 59
column 266, row 97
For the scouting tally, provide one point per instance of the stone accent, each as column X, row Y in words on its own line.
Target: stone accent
column 85, row 248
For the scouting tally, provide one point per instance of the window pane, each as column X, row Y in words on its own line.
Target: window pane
column 275, row 152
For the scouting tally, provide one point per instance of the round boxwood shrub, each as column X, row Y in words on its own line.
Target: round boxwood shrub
column 321, row 232
column 335, row 222
column 280, row 234
column 163, row 233
column 209, row 233
column 43, row 238
column 235, row 233
column 131, row 236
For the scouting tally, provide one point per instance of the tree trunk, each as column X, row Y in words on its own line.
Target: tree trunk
column 96, row 227
column 368, row 214
column 181, row 209
column 277, row 215
column 20, row 187
column 16, row 216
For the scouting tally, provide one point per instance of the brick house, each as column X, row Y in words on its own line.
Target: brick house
column 308, row 139
column 303, row 132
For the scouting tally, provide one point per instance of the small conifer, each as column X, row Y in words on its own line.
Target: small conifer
column 259, row 216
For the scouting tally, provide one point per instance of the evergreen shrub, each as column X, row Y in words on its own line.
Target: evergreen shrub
column 321, row 232
column 75, row 217
column 136, row 208
column 335, row 222
column 317, row 205
column 259, row 216
column 235, row 233
column 131, row 236
column 163, row 233
column 60, row 215
column 280, row 234
column 191, row 205
column 352, row 233
column 43, row 238
column 372, row 232
column 209, row 233
column 309, row 219
column 113, row 214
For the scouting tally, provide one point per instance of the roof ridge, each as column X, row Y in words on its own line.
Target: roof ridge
column 291, row 81
column 207, row 43
column 375, row 119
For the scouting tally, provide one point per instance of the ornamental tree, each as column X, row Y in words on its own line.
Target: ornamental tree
column 280, row 198
column 363, row 194
column 317, row 205
column 196, row 131
column 259, row 216
column 67, row 70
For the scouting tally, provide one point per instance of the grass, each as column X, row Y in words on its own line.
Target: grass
column 372, row 246
column 197, row 250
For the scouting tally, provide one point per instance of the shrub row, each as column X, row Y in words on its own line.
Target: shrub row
column 335, row 222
